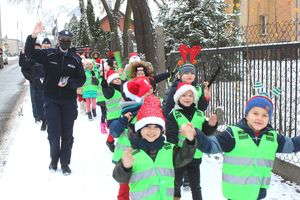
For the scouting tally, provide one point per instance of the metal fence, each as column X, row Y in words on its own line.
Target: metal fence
column 274, row 65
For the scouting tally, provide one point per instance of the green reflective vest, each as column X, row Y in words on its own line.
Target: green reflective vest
column 197, row 120
column 122, row 143
column 199, row 93
column 100, row 96
column 153, row 180
column 247, row 168
column 113, row 106
column 88, row 86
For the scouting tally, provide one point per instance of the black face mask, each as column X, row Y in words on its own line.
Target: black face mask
column 64, row 44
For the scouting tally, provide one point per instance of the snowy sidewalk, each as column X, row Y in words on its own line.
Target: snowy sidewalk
column 26, row 174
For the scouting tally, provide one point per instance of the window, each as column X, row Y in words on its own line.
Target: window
column 263, row 20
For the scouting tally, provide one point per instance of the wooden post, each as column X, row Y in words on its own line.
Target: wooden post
column 160, row 52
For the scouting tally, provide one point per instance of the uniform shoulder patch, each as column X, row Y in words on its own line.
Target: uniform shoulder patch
column 243, row 135
column 269, row 136
column 177, row 114
column 167, row 146
column 200, row 113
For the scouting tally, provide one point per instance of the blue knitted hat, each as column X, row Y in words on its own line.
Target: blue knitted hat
column 259, row 101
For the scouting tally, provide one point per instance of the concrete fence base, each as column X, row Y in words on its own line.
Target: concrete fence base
column 287, row 170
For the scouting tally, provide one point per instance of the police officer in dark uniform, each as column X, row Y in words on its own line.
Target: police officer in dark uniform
column 64, row 73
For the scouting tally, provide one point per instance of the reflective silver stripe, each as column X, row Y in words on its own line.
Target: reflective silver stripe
column 170, row 192
column 149, row 173
column 114, row 109
column 121, row 146
column 112, row 101
column 241, row 180
column 264, row 163
column 166, row 172
column 266, row 181
column 245, row 180
column 145, row 193
column 238, row 161
column 248, row 161
column 150, row 191
column 181, row 140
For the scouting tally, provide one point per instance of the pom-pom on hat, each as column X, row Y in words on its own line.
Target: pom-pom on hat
column 261, row 102
column 134, row 57
column 150, row 113
column 183, row 88
column 136, row 88
column 111, row 75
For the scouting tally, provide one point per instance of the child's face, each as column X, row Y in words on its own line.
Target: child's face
column 188, row 77
column 140, row 73
column 257, row 119
column 187, row 98
column 150, row 132
column 117, row 81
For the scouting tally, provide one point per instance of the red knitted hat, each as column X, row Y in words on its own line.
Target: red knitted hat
column 136, row 88
column 111, row 75
column 183, row 88
column 150, row 113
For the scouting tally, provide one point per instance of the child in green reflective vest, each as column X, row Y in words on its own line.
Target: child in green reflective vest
column 185, row 110
column 250, row 149
column 90, row 88
column 149, row 167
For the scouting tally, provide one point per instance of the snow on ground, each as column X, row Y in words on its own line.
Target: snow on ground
column 26, row 174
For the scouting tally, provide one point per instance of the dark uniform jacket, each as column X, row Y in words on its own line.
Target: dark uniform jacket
column 56, row 65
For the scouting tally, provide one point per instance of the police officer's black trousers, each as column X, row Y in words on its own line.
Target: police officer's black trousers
column 60, row 116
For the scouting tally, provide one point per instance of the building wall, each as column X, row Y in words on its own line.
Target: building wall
column 280, row 15
column 105, row 25
column 11, row 46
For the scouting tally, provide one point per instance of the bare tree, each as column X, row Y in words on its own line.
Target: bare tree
column 127, row 22
column 144, row 32
column 114, row 19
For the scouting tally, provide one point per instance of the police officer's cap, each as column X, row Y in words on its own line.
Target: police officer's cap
column 46, row 41
column 65, row 33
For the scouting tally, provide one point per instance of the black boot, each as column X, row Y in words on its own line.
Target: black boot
column 94, row 112
column 65, row 169
column 53, row 166
column 44, row 125
column 111, row 146
column 90, row 116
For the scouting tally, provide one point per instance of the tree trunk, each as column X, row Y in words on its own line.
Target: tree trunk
column 113, row 19
column 127, row 20
column 144, row 32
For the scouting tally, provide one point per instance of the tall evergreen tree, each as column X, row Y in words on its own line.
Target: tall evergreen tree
column 193, row 22
column 73, row 26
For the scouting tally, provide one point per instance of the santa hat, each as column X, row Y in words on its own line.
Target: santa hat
column 150, row 113
column 183, row 88
column 134, row 57
column 136, row 88
column 111, row 75
column 99, row 64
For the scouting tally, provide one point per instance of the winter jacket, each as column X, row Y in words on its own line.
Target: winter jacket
column 225, row 142
column 181, row 157
column 57, row 65
column 169, row 103
column 172, row 128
